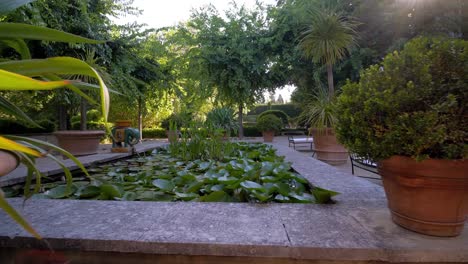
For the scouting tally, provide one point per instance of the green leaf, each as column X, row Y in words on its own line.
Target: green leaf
column 110, row 191
column 19, row 46
column 61, row 191
column 25, row 31
column 58, row 66
column 323, row 195
column 186, row 196
column 219, row 196
column 10, row 109
column 17, row 82
column 281, row 198
column 164, row 185
column 129, row 196
column 302, row 198
column 283, row 188
column 250, row 185
column 88, row 192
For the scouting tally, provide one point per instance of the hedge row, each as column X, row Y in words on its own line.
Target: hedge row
column 249, row 131
column 290, row 109
column 12, row 127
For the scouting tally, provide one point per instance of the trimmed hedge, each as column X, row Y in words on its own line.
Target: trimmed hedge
column 12, row 127
column 290, row 109
column 154, row 132
column 251, row 131
column 278, row 113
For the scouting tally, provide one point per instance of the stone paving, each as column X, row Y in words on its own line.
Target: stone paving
column 357, row 228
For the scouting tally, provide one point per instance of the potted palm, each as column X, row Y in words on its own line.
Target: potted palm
column 172, row 124
column 269, row 125
column 409, row 114
column 223, row 119
column 326, row 40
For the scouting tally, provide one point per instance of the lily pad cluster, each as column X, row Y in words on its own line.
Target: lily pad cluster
column 253, row 173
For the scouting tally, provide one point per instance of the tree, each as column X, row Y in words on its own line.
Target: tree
column 280, row 100
column 236, row 53
column 328, row 38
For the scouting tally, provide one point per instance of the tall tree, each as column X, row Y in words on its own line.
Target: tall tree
column 235, row 50
column 328, row 38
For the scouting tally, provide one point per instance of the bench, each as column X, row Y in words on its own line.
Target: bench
column 362, row 163
column 293, row 141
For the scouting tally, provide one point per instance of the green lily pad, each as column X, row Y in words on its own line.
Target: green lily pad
column 164, row 185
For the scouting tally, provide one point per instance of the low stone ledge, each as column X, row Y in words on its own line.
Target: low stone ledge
column 357, row 228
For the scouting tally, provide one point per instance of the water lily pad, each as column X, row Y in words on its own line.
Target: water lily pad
column 61, row 191
column 164, row 185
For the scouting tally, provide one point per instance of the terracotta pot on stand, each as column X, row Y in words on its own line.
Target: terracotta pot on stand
column 327, row 148
column 172, row 136
column 268, row 136
column 428, row 197
column 79, row 143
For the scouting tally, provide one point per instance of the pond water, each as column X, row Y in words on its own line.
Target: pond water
column 248, row 172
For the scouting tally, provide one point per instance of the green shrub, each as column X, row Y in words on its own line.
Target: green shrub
column 291, row 110
column 157, row 132
column 252, row 131
column 222, row 118
column 413, row 104
column 91, row 125
column 178, row 119
column 278, row 113
column 12, row 127
column 269, row 123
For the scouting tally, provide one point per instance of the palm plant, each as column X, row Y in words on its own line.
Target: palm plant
column 328, row 37
column 39, row 74
column 222, row 118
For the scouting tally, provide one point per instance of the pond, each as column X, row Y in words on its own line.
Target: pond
column 240, row 172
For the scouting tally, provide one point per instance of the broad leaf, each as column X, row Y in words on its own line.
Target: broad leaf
column 323, row 195
column 61, row 191
column 164, row 185
column 250, row 185
column 25, row 31
column 219, row 196
column 16, row 82
column 110, row 191
column 88, row 192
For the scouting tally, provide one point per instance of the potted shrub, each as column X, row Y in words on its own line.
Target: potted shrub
column 409, row 114
column 320, row 115
column 222, row 119
column 269, row 125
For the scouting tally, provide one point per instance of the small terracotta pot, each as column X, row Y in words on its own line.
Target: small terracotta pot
column 428, row 197
column 123, row 123
column 79, row 143
column 327, row 148
column 268, row 136
column 8, row 162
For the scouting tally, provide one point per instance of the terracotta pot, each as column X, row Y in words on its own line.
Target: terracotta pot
column 8, row 162
column 327, row 148
column 123, row 123
column 268, row 136
column 79, row 143
column 429, row 197
column 172, row 136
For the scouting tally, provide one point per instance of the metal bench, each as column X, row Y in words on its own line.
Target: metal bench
column 293, row 141
column 363, row 163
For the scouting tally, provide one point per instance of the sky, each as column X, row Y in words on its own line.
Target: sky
column 163, row 13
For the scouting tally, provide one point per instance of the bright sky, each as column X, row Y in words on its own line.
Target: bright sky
column 162, row 13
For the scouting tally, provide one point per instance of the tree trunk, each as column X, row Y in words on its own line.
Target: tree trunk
column 84, row 119
column 140, row 116
column 241, row 127
column 331, row 87
column 62, row 113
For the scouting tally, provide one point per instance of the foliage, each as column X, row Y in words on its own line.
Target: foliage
column 222, row 118
column 413, row 104
column 269, row 123
column 278, row 113
column 252, row 131
column 154, row 133
column 291, row 110
column 177, row 121
column 320, row 112
column 249, row 173
column 8, row 126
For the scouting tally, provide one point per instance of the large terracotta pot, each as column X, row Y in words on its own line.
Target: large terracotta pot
column 327, row 148
column 8, row 162
column 268, row 136
column 429, row 197
column 123, row 123
column 79, row 143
